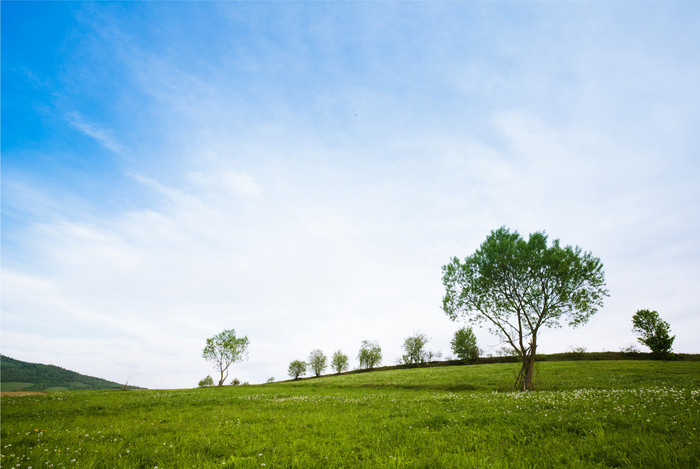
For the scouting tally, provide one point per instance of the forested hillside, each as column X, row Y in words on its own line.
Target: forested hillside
column 16, row 375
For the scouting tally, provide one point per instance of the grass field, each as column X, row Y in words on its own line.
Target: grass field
column 585, row 414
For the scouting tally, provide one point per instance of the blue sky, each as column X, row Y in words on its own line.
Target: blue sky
column 301, row 171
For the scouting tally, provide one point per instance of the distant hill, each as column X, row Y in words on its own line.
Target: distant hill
column 16, row 375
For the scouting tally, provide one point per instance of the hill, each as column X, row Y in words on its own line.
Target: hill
column 585, row 414
column 16, row 375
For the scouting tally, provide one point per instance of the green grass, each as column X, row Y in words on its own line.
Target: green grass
column 585, row 414
column 11, row 386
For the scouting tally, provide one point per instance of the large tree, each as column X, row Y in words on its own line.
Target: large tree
column 224, row 349
column 517, row 287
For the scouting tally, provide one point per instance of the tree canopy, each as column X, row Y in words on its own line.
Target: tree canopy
column 516, row 287
column 224, row 349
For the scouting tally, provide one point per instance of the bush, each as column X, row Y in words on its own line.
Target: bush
column 206, row 382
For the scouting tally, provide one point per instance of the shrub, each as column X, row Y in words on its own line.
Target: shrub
column 206, row 382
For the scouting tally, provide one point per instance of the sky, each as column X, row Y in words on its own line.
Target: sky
column 301, row 171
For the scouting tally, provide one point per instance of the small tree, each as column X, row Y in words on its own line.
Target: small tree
column 339, row 362
column 370, row 355
column 297, row 368
column 206, row 382
column 653, row 332
column 224, row 349
column 413, row 346
column 318, row 361
column 464, row 344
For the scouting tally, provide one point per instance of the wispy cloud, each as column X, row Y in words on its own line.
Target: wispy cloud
column 102, row 135
column 305, row 190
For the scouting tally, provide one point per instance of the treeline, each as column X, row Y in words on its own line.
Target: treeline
column 566, row 356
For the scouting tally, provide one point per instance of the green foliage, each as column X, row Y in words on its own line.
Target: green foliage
column 370, row 355
column 586, row 415
column 296, row 369
column 317, row 361
column 340, row 362
column 208, row 381
column 653, row 332
column 464, row 344
column 516, row 287
column 225, row 349
column 413, row 346
column 22, row 376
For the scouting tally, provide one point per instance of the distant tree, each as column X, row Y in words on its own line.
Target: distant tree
column 653, row 332
column 271, row 379
column 339, row 362
column 630, row 349
column 206, row 382
column 429, row 355
column 370, row 354
column 318, row 361
column 413, row 346
column 297, row 368
column 464, row 344
column 235, row 382
column 518, row 286
column 224, row 349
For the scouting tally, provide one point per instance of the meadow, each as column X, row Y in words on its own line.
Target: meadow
column 583, row 415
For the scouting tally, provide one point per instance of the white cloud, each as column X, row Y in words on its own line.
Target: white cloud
column 102, row 135
column 270, row 207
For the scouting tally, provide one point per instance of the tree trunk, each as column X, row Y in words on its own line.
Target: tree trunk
column 223, row 378
column 524, row 379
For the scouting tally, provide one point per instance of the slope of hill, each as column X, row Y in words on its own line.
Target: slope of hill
column 585, row 414
column 16, row 375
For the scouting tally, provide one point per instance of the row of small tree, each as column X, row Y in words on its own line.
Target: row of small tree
column 370, row 355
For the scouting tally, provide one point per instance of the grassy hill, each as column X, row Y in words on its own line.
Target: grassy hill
column 16, row 375
column 585, row 414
